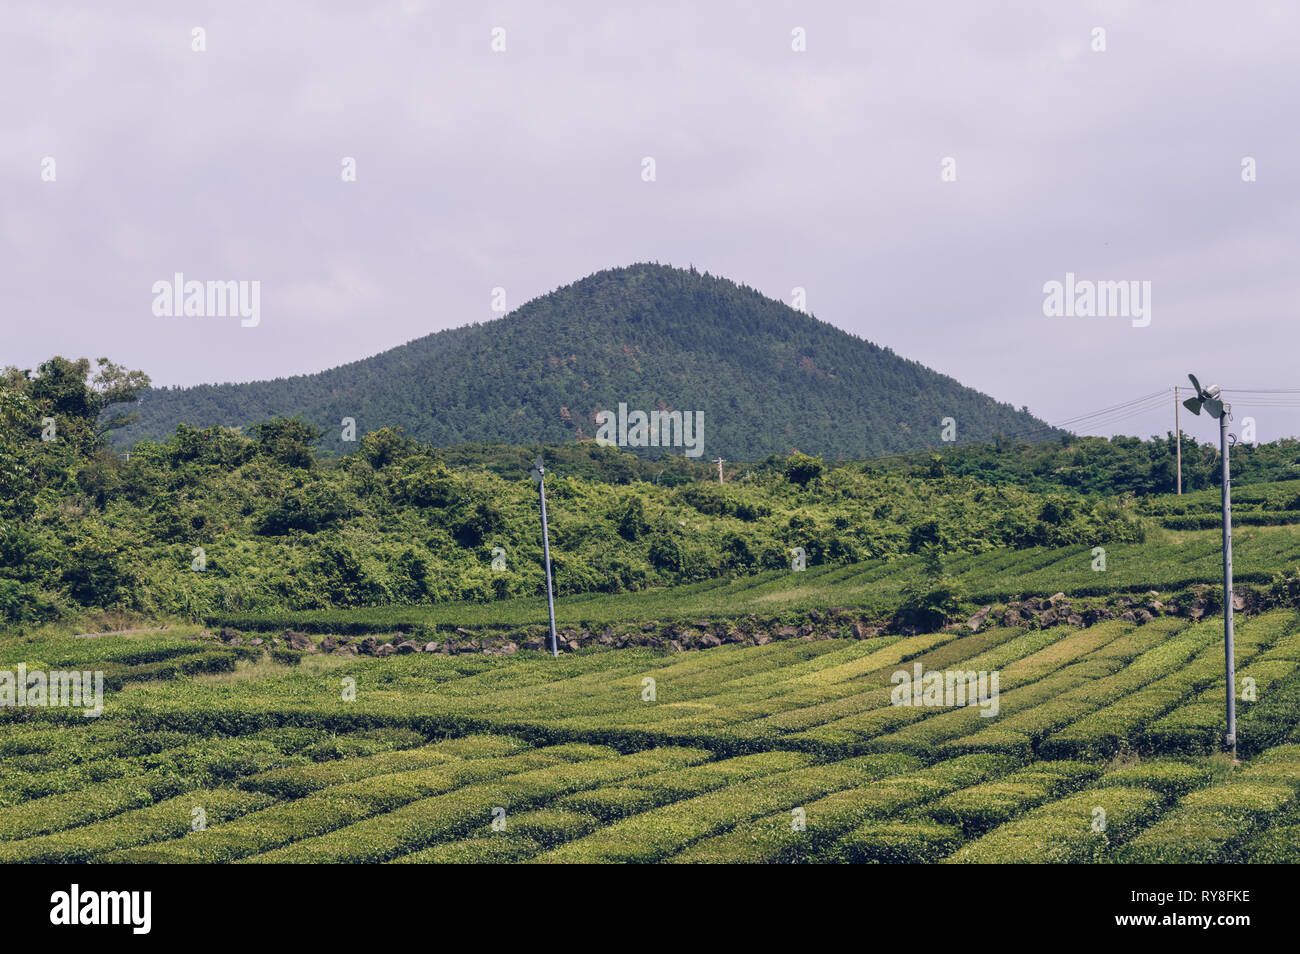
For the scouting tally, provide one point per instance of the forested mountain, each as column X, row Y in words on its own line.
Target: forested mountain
column 768, row 379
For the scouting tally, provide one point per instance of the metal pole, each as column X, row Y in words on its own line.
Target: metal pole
column 1231, row 738
column 1178, row 433
column 546, row 550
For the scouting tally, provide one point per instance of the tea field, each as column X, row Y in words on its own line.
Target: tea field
column 1103, row 749
column 1167, row 562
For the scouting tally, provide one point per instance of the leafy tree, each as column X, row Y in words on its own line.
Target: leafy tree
column 926, row 536
column 288, row 441
column 632, row 523
column 222, row 446
column 666, row 553
column 95, row 573
column 380, row 448
column 800, row 469
column 67, row 390
column 310, row 509
column 114, row 385
column 930, row 604
column 412, row 572
column 477, row 520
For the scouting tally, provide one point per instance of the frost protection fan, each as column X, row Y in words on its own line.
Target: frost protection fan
column 1207, row 398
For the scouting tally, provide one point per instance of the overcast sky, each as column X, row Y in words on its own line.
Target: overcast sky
column 523, row 169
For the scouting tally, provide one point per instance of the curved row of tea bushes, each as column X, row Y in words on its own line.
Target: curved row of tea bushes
column 900, row 842
column 883, row 719
column 173, row 772
column 1208, row 823
column 660, row 832
column 1135, row 659
column 1025, row 685
column 171, row 818
column 339, row 805
column 632, row 796
column 295, row 781
column 773, row 838
column 430, row 820
column 1107, row 730
column 1197, row 726
column 980, row 808
column 1065, row 831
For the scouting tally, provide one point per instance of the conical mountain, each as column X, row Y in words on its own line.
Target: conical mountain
column 768, row 378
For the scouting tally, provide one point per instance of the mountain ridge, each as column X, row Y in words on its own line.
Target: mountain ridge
column 768, row 378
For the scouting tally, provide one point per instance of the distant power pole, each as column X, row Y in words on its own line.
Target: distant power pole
column 539, row 477
column 719, row 462
column 1178, row 433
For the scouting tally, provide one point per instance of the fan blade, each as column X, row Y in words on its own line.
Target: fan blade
column 1214, row 406
column 1193, row 405
column 1196, row 385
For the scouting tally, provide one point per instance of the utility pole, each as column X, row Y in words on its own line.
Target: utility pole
column 538, row 474
column 1229, row 666
column 1211, row 400
column 719, row 462
column 1178, row 435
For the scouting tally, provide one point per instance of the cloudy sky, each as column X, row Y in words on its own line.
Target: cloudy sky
column 523, row 169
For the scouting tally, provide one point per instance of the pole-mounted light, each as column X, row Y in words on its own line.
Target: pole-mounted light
column 1211, row 400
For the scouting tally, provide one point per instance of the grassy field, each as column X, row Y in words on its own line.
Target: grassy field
column 1103, row 749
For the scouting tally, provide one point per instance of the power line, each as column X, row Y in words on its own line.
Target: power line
column 1114, row 413
column 1113, row 407
column 1262, row 390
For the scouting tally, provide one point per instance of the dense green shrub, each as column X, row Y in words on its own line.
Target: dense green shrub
column 900, row 842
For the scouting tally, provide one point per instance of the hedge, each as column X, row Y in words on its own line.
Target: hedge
column 1206, row 823
column 168, row 819
column 900, row 842
column 209, row 761
column 299, row 780
column 341, row 805
column 495, row 849
column 1168, row 777
column 977, row 809
column 774, row 839
column 1062, row 831
column 640, row 794
column 655, row 834
column 421, row 823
